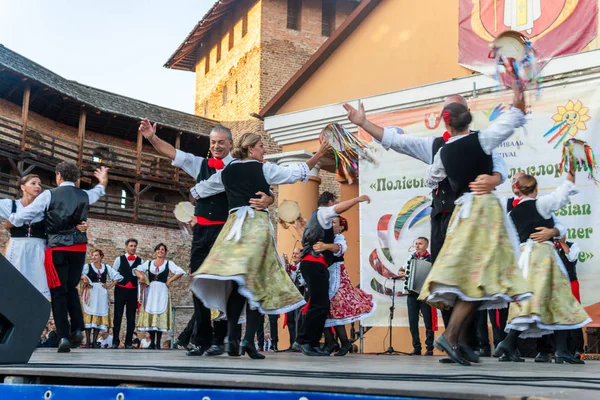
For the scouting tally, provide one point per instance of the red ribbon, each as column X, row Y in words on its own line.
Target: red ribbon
column 447, row 117
column 516, row 201
column 51, row 275
column 216, row 163
column 446, row 136
column 131, row 258
column 498, row 325
column 434, row 319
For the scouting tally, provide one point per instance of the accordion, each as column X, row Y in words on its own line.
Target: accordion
column 416, row 273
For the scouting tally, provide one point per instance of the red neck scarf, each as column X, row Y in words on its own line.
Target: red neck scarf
column 216, row 163
column 446, row 136
column 516, row 201
column 419, row 256
column 131, row 258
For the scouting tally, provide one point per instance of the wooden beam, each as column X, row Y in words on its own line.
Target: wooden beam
column 177, row 146
column 12, row 91
column 138, row 161
column 81, row 134
column 136, row 202
column 25, row 114
column 128, row 186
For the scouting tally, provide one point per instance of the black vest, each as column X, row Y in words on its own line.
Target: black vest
column 526, row 218
column 442, row 197
column 314, row 233
column 68, row 208
column 214, row 207
column 126, row 271
column 509, row 204
column 162, row 277
column 94, row 276
column 569, row 265
column 36, row 230
column 242, row 180
column 464, row 160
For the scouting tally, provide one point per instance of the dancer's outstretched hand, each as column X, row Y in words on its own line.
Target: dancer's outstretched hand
column 357, row 117
column 147, row 129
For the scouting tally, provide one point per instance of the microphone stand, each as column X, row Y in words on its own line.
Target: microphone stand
column 390, row 350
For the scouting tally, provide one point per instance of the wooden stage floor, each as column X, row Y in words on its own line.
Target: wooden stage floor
column 422, row 377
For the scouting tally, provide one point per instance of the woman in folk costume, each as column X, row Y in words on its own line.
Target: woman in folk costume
column 27, row 244
column 477, row 267
column 96, row 306
column 553, row 307
column 243, row 264
column 347, row 302
column 156, row 276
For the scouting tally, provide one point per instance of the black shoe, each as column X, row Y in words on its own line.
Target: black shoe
column 543, row 357
column 484, row 352
column 345, row 349
column 505, row 354
column 468, row 354
column 428, row 353
column 415, row 352
column 246, row 347
column 331, row 348
column 274, row 348
column 64, row 346
column 453, row 351
column 296, row 348
column 215, row 350
column 129, row 347
column 115, row 345
column 578, row 355
column 232, row 347
column 195, row 352
column 76, row 339
column 567, row 358
column 152, row 346
column 307, row 350
column 182, row 344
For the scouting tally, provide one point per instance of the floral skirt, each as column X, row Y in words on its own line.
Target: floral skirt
column 553, row 306
column 478, row 260
column 349, row 303
column 251, row 261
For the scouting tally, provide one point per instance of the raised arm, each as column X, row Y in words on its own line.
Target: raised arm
column 277, row 175
column 28, row 213
column 148, row 130
column 348, row 204
column 420, row 148
column 556, row 200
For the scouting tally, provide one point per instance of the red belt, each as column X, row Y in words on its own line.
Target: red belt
column 51, row 275
column 206, row 221
column 318, row 259
column 129, row 285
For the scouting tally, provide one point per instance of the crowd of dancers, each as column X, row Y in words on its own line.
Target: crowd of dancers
column 484, row 256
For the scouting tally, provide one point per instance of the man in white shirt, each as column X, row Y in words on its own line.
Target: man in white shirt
column 65, row 206
column 210, row 216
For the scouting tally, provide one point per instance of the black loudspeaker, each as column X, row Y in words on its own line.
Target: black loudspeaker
column 24, row 313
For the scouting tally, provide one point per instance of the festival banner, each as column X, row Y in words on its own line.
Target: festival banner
column 555, row 27
column 400, row 201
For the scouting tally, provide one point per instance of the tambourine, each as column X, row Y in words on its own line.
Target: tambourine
column 184, row 213
column 347, row 149
column 514, row 56
column 288, row 211
column 578, row 155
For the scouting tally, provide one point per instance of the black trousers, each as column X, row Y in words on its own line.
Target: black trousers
column 125, row 299
column 498, row 320
column 200, row 331
column 414, row 307
column 65, row 298
column 316, row 276
column 576, row 341
column 292, row 325
column 260, row 333
column 545, row 344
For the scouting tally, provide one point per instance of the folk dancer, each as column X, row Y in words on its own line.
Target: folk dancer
column 414, row 306
column 65, row 207
column 347, row 303
column 126, row 293
column 553, row 308
column 210, row 213
column 473, row 270
column 314, row 266
column 442, row 206
column 243, row 265
column 94, row 298
column 293, row 319
column 156, row 276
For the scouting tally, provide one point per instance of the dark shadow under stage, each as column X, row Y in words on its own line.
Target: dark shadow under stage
column 401, row 376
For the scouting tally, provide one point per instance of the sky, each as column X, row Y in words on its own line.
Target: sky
column 118, row 46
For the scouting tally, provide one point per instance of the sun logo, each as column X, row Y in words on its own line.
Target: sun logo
column 569, row 120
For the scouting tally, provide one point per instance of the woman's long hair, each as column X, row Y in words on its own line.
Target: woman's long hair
column 247, row 140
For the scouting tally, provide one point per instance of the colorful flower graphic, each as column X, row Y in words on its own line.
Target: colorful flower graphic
column 568, row 120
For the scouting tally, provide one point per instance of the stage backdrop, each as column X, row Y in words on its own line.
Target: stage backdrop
column 399, row 208
column 555, row 27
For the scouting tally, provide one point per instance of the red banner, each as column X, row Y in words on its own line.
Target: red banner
column 555, row 27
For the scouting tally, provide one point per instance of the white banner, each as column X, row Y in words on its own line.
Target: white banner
column 399, row 208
